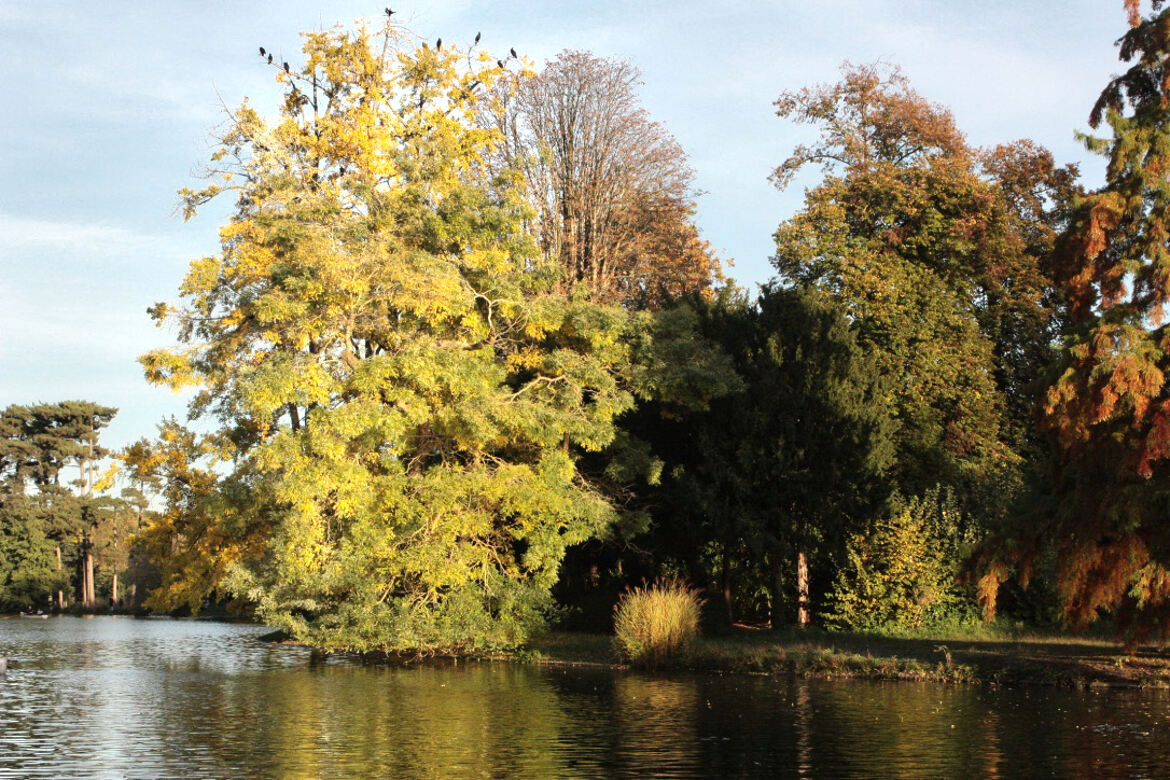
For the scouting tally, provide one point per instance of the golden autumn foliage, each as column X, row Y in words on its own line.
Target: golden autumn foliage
column 901, row 573
column 402, row 391
column 446, row 281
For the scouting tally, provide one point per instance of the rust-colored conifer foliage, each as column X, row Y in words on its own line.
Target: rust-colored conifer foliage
column 1110, row 409
column 1133, row 9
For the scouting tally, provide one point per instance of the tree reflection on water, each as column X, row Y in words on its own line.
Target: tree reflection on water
column 180, row 698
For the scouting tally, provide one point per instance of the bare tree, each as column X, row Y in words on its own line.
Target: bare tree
column 611, row 189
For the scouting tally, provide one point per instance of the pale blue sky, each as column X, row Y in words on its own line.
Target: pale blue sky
column 112, row 105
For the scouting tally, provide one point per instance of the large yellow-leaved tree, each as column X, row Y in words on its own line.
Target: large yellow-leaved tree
column 400, row 392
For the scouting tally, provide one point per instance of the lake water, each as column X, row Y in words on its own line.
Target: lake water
column 118, row 697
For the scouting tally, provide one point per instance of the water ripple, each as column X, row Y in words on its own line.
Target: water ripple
column 117, row 697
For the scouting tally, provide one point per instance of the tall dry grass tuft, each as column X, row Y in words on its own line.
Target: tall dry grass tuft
column 656, row 624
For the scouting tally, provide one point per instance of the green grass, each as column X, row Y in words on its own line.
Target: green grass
column 994, row 654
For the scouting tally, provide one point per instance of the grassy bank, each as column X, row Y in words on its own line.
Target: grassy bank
column 963, row 656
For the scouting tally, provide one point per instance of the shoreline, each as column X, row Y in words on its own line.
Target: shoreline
column 1027, row 659
column 1057, row 661
column 1070, row 662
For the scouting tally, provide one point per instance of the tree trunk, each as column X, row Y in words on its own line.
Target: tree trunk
column 802, row 606
column 87, row 596
column 87, row 599
column 60, row 593
column 114, row 593
column 725, row 582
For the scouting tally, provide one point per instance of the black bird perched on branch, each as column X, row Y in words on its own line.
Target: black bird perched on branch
column 262, row 52
column 286, row 70
column 477, row 37
column 269, row 59
column 500, row 63
column 389, row 12
column 439, row 45
column 513, row 52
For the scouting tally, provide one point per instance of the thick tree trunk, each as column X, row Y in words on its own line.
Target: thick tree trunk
column 802, row 600
column 87, row 597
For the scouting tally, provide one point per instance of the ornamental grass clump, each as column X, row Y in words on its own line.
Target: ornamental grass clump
column 656, row 624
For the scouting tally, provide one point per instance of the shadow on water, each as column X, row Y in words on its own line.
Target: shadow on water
column 134, row 698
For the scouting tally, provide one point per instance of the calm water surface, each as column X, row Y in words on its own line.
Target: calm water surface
column 118, row 697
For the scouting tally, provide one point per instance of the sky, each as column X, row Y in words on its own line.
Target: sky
column 112, row 106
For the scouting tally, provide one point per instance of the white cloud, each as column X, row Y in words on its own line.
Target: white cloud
column 31, row 233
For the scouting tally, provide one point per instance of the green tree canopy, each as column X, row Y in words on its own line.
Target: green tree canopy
column 936, row 252
column 784, row 467
column 42, row 511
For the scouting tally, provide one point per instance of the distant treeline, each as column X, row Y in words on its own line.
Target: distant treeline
column 63, row 537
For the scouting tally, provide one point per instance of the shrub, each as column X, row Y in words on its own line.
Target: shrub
column 656, row 624
column 902, row 573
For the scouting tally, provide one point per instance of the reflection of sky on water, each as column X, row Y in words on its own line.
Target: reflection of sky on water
column 132, row 698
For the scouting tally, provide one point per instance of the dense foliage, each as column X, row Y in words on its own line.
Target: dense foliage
column 404, row 387
column 463, row 350
column 941, row 277
column 903, row 571
column 1109, row 410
